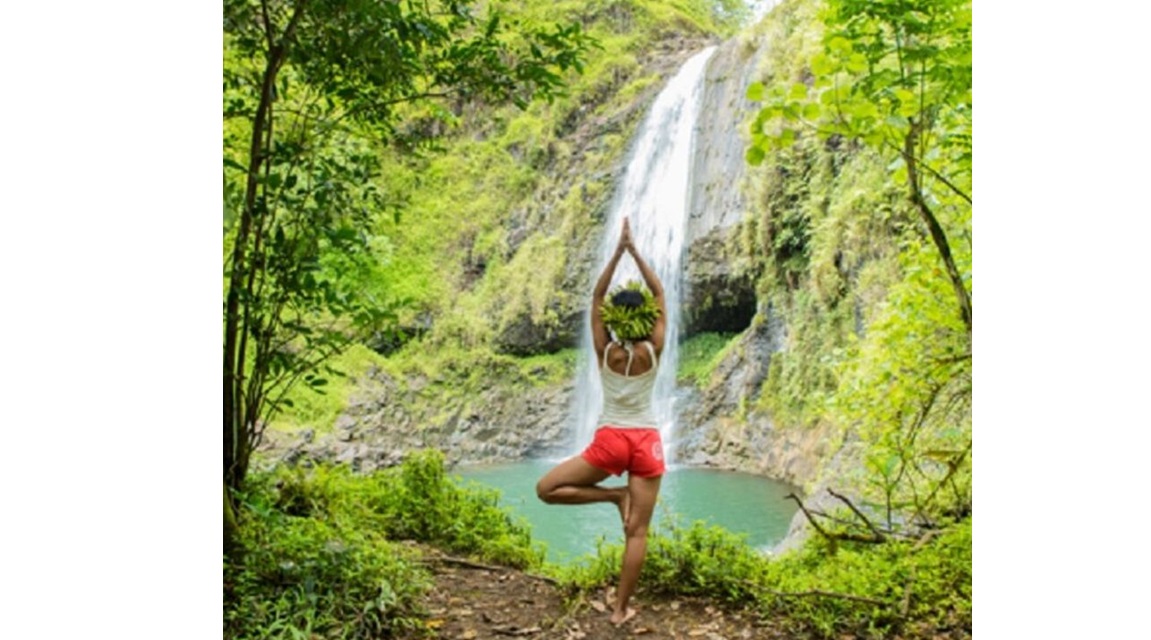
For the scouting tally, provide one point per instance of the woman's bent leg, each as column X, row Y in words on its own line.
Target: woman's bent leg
column 574, row 481
column 643, row 493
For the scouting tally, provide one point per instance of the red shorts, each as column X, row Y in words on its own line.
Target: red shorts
column 619, row 449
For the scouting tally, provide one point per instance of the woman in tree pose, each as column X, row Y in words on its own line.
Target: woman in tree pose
column 627, row 436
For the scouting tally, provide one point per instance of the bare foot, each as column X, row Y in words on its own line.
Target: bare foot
column 620, row 617
column 624, row 505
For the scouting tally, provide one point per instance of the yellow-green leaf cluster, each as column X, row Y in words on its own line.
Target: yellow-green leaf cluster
column 630, row 323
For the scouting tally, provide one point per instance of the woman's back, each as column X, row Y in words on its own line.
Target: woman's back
column 627, row 386
column 630, row 361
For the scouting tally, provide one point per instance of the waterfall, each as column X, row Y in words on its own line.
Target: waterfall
column 653, row 194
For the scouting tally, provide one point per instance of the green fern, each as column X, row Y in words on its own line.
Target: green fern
column 630, row 323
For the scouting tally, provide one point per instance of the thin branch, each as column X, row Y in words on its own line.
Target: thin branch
column 832, row 518
column 925, row 538
column 905, row 609
column 267, row 24
column 953, row 466
column 953, row 359
column 879, row 536
column 939, row 176
column 926, row 167
column 807, row 513
column 390, row 103
column 852, row 537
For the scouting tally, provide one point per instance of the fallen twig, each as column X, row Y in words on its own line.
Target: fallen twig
column 513, row 630
column 468, row 564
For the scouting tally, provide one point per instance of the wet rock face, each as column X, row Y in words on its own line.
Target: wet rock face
column 526, row 337
column 388, row 420
column 717, row 431
column 720, row 285
column 719, row 288
column 718, row 163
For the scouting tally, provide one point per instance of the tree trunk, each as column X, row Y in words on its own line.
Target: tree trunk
column 235, row 429
column 231, row 528
column 934, row 228
column 237, row 444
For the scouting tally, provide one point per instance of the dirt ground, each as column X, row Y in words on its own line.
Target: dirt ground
column 472, row 602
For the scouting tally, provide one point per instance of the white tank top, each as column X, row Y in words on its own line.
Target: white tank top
column 627, row 399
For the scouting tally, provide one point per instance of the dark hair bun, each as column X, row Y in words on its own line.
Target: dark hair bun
column 628, row 298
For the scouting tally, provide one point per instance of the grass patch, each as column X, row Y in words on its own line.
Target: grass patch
column 700, row 354
column 309, row 408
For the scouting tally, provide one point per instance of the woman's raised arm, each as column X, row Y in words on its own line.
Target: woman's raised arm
column 653, row 284
column 599, row 334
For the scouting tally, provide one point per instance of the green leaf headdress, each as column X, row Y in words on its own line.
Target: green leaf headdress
column 629, row 322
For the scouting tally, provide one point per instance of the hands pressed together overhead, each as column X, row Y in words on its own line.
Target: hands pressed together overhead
column 625, row 241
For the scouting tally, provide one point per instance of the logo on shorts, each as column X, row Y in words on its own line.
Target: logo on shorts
column 657, row 450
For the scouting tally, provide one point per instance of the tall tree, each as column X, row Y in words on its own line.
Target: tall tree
column 894, row 75
column 311, row 89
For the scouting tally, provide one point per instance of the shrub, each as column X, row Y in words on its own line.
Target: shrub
column 701, row 559
column 319, row 556
column 315, row 568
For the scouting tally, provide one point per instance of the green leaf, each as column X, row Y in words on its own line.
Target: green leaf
column 755, row 156
column 856, row 63
column 822, row 65
column 839, row 44
column 755, row 91
column 904, row 95
column 863, row 110
column 798, row 91
column 897, row 122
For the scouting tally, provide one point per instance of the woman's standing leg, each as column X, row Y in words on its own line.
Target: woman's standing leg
column 643, row 493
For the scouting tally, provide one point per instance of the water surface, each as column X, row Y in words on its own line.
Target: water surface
column 739, row 502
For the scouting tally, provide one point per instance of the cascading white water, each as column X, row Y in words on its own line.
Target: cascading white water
column 653, row 194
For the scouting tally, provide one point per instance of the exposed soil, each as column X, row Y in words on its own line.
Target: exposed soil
column 472, row 601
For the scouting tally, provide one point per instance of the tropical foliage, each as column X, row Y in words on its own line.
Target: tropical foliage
column 895, row 76
column 917, row 587
column 313, row 90
column 630, row 322
column 864, row 144
column 322, row 556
